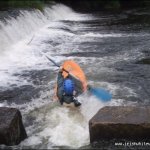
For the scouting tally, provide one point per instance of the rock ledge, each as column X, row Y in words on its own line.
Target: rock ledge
column 120, row 122
column 12, row 131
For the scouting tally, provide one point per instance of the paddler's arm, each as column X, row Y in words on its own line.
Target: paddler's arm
column 60, row 78
column 60, row 86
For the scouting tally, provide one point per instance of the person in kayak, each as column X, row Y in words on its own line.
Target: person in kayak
column 67, row 89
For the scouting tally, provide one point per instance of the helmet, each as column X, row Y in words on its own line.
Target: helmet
column 68, row 86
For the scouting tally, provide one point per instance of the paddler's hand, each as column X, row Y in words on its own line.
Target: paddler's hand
column 61, row 69
column 89, row 87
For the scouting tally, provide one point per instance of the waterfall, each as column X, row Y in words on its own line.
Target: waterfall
column 14, row 29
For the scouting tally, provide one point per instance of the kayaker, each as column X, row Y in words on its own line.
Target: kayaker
column 67, row 89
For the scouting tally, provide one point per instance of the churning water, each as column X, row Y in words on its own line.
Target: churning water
column 108, row 48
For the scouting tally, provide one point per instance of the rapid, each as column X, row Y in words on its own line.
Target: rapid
column 108, row 47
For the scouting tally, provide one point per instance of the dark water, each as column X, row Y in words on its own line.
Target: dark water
column 112, row 49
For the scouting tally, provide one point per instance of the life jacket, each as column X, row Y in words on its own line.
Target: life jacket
column 68, row 86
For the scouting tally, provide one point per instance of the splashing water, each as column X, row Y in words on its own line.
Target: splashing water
column 63, row 126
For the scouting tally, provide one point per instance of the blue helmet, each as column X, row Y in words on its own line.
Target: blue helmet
column 68, row 86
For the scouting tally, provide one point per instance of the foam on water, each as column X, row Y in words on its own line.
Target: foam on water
column 4, row 104
column 90, row 34
column 62, row 126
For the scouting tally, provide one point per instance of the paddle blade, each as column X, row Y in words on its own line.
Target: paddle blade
column 101, row 94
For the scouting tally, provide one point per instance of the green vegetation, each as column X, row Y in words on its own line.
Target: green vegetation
column 81, row 5
column 109, row 5
column 92, row 5
column 38, row 4
column 145, row 61
column 113, row 5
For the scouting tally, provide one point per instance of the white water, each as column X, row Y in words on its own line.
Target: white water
column 30, row 26
column 62, row 126
column 21, row 42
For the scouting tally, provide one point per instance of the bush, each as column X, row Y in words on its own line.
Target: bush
column 38, row 4
column 113, row 5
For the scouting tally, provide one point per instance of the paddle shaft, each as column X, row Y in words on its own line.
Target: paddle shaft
column 52, row 61
column 59, row 66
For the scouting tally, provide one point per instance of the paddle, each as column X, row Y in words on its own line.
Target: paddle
column 101, row 94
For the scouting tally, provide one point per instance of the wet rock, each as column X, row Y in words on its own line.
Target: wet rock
column 12, row 131
column 144, row 61
column 120, row 122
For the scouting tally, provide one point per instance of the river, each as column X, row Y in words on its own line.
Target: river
column 110, row 48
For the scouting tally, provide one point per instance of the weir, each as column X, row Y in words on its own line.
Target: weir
column 106, row 46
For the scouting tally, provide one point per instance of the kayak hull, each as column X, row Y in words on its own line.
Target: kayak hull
column 74, row 69
column 71, row 105
column 77, row 74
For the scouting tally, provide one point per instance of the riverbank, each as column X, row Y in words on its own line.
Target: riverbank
column 104, row 5
column 9, row 4
column 80, row 5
